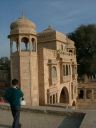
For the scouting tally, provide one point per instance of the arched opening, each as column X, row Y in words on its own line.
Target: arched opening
column 70, row 51
column 64, row 96
column 14, row 48
column 24, row 44
column 81, row 94
column 73, row 103
column 14, row 45
column 33, row 45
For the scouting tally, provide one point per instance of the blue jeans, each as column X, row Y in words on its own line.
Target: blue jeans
column 16, row 116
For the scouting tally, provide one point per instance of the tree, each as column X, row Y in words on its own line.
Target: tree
column 4, row 63
column 85, row 42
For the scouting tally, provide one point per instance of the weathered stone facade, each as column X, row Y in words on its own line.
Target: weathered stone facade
column 45, row 65
column 56, row 54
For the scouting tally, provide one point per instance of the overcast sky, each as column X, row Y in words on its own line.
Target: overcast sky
column 64, row 15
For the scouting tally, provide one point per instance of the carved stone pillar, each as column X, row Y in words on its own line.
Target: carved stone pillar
column 92, row 94
column 85, row 94
column 55, row 99
column 50, row 72
column 71, row 70
column 11, row 47
column 52, row 99
column 48, row 97
column 61, row 72
column 30, row 44
column 19, row 44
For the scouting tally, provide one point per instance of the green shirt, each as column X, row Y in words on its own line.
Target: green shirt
column 13, row 96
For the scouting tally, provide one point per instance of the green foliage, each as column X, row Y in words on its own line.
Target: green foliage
column 4, row 63
column 85, row 42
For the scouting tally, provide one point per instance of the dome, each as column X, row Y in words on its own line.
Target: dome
column 49, row 29
column 23, row 21
column 22, row 25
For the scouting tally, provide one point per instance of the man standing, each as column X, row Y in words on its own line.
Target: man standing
column 14, row 95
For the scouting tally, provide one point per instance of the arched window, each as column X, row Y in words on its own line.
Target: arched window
column 14, row 46
column 54, row 74
column 33, row 45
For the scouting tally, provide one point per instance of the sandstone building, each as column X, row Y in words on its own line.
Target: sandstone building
column 44, row 63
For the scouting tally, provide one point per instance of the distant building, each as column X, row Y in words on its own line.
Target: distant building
column 44, row 63
column 87, row 92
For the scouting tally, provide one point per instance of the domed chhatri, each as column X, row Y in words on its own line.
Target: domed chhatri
column 22, row 24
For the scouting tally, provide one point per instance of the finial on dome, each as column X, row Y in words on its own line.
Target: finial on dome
column 50, row 26
column 22, row 14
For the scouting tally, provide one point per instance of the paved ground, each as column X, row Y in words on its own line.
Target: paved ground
column 31, row 119
column 38, row 117
column 90, row 119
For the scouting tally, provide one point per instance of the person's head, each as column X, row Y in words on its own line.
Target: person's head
column 15, row 82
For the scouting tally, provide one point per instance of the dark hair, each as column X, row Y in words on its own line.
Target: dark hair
column 15, row 82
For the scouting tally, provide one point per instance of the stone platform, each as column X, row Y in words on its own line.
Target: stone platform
column 49, row 117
